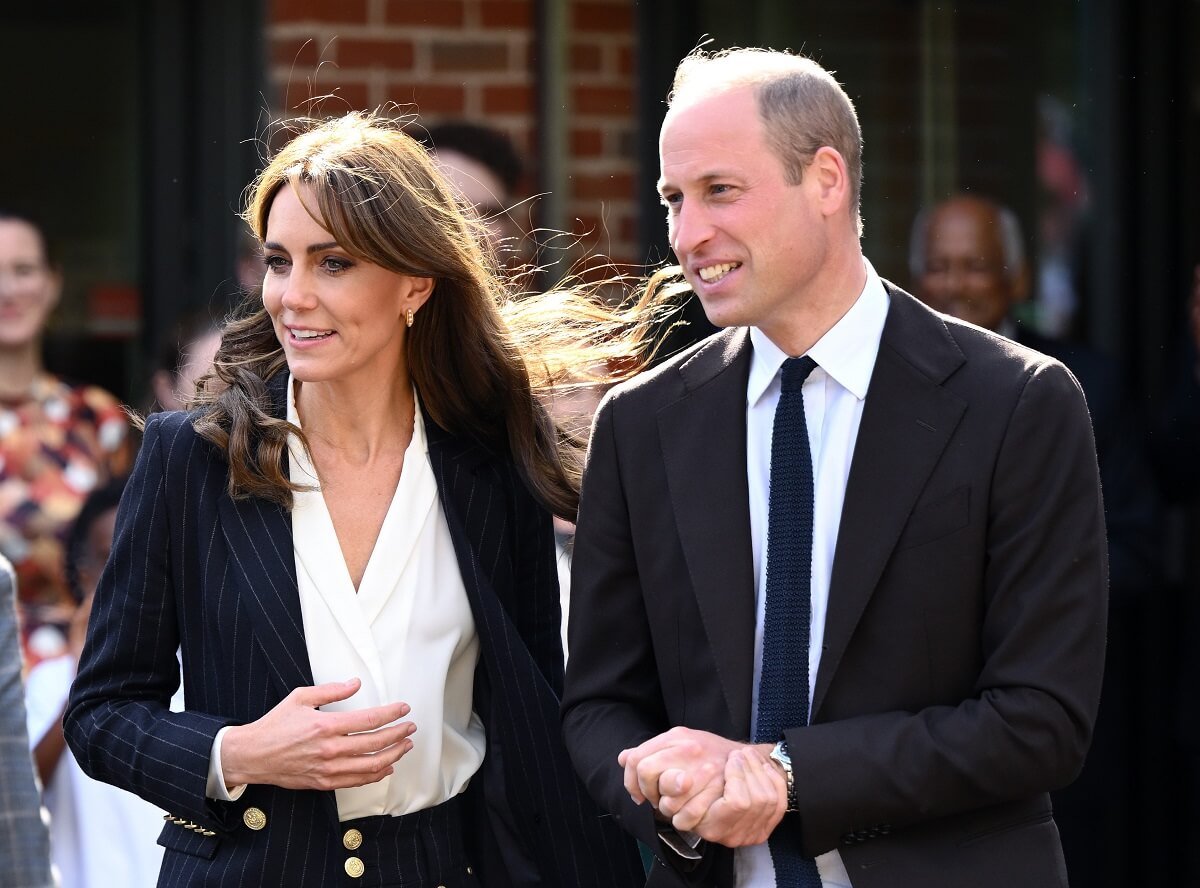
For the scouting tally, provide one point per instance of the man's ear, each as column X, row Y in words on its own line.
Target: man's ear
column 830, row 180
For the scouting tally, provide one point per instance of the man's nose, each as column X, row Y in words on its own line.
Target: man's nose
column 690, row 228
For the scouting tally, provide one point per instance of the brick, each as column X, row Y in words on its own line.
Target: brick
column 627, row 228
column 507, row 13
column 430, row 98
column 604, row 100
column 470, row 56
column 583, row 224
column 626, row 61
column 586, row 142
column 317, row 11
column 297, row 53
column 586, row 57
column 607, row 17
column 391, row 54
column 446, row 13
column 334, row 97
column 508, row 99
column 614, row 186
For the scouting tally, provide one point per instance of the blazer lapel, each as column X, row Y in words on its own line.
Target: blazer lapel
column 258, row 536
column 907, row 421
column 703, row 438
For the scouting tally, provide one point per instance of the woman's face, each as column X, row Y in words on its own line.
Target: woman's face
column 29, row 287
column 337, row 317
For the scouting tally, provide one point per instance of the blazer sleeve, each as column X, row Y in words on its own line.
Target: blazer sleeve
column 24, row 844
column 1027, row 724
column 118, row 721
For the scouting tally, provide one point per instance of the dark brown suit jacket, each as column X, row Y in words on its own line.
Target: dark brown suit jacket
column 964, row 642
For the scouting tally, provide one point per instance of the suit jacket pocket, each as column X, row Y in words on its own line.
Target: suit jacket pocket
column 179, row 838
column 934, row 520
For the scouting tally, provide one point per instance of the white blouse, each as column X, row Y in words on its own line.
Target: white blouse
column 407, row 633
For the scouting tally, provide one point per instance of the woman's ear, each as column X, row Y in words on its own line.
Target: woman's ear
column 419, row 291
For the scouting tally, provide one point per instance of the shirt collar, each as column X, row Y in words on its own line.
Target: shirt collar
column 846, row 352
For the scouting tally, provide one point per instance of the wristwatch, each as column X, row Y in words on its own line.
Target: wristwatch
column 780, row 755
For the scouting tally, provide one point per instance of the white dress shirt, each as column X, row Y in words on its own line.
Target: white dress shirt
column 407, row 632
column 834, row 394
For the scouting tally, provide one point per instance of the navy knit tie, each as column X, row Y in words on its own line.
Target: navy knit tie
column 783, row 682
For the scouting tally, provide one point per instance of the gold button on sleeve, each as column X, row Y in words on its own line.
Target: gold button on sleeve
column 352, row 840
column 354, row 868
column 254, row 818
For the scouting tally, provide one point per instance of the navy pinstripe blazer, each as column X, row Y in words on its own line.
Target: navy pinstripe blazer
column 192, row 568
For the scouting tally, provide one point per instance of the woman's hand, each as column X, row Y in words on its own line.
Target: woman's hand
column 296, row 746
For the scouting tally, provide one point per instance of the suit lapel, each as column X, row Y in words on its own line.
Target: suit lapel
column 703, row 438
column 907, row 421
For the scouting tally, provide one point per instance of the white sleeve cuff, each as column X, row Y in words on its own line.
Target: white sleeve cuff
column 216, row 777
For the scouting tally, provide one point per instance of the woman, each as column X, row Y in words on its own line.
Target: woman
column 351, row 544
column 57, row 440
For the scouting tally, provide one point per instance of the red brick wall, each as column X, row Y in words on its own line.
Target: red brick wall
column 475, row 59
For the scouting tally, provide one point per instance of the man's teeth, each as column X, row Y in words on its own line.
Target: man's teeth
column 311, row 334
column 710, row 273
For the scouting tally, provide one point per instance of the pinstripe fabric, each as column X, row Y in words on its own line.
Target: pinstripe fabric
column 24, row 844
column 191, row 568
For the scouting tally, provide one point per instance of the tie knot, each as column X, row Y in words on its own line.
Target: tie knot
column 795, row 371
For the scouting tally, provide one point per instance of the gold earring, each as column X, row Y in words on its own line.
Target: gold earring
column 409, row 319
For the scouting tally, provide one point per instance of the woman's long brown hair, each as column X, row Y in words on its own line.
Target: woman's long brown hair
column 479, row 357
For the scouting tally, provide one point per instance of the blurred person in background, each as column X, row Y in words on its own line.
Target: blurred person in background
column 58, row 440
column 968, row 260
column 483, row 165
column 24, row 848
column 83, row 855
column 182, row 360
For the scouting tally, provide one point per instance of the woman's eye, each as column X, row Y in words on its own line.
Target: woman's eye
column 332, row 263
column 274, row 263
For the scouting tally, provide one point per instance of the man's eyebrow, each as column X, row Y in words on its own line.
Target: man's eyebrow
column 706, row 179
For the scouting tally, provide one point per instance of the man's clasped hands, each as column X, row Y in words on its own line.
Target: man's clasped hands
column 726, row 792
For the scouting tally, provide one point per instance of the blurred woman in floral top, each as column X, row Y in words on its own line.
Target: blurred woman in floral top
column 57, row 440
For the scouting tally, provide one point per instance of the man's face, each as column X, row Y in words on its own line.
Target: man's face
column 749, row 242
column 964, row 274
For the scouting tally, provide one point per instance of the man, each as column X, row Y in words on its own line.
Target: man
column 967, row 259
column 905, row 618
column 24, row 843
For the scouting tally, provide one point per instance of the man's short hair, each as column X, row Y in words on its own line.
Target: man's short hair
column 1012, row 242
column 803, row 107
column 490, row 147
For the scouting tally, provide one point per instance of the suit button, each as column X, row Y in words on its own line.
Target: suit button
column 354, row 868
column 352, row 840
column 254, row 818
